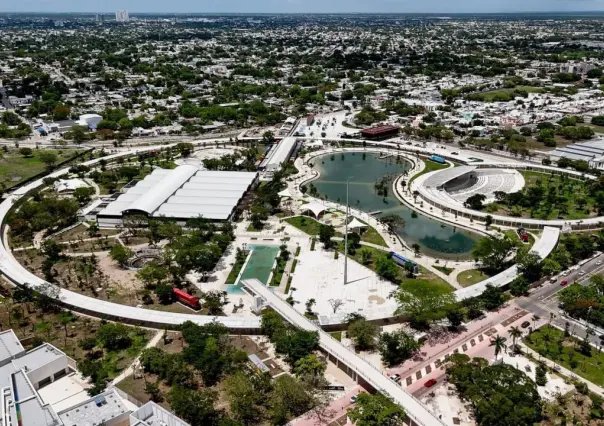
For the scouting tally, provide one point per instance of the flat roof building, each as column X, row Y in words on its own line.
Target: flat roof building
column 181, row 194
column 22, row 374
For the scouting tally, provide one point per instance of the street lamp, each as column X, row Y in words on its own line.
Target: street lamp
column 346, row 236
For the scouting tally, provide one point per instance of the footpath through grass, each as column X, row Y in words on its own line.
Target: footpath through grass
column 550, row 342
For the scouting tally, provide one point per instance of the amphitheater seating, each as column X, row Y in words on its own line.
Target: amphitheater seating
column 489, row 182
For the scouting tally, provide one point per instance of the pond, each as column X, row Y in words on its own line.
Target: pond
column 364, row 170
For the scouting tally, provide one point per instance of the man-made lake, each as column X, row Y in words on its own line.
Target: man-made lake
column 364, row 170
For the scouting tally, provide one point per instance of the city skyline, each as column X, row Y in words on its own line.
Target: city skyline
column 310, row 6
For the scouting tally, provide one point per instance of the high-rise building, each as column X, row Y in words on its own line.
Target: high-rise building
column 122, row 16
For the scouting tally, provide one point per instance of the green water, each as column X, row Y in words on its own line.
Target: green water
column 363, row 170
column 259, row 266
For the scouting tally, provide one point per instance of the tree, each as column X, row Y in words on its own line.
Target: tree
column 26, row 152
column 83, row 194
column 309, row 369
column 397, row 347
column 492, row 252
column 376, row 410
column 488, row 221
column 519, row 287
column 529, row 264
column 364, row 334
column 475, row 202
column 416, row 248
column 365, row 256
column 455, row 316
column 245, row 397
column 309, row 304
column 393, row 222
column 326, row 233
column 335, row 304
column 492, row 297
column 48, row 157
column 540, row 375
column 153, row 274
column 289, row 399
column 515, row 333
column 120, row 254
column 499, row 394
column 164, row 293
column 386, row 268
column 214, row 301
column 113, row 336
column 52, row 250
column 422, row 306
column 498, row 343
column 195, row 407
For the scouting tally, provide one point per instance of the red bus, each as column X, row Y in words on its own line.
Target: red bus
column 186, row 298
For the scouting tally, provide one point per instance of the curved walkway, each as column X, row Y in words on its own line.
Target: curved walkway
column 19, row 275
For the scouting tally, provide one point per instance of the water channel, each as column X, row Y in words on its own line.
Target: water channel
column 363, row 170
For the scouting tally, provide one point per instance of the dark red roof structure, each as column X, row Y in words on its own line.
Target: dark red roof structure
column 380, row 131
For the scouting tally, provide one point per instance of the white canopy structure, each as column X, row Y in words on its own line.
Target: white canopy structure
column 315, row 208
column 69, row 185
column 355, row 223
column 285, row 193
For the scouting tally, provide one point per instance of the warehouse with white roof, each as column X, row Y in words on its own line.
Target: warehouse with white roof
column 182, row 193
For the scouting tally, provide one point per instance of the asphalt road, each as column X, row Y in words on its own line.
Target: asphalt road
column 542, row 301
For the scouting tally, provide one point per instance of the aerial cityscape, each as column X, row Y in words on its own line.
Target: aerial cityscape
column 302, row 214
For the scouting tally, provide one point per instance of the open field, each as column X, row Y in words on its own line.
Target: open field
column 15, row 168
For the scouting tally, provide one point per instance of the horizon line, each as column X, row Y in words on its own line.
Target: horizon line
column 310, row 13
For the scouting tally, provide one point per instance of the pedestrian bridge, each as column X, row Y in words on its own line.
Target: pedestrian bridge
column 356, row 367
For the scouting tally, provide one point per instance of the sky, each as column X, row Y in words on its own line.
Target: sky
column 301, row 6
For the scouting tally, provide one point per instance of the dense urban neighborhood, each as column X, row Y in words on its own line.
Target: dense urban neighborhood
column 356, row 219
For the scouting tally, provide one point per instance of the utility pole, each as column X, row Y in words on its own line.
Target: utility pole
column 346, row 237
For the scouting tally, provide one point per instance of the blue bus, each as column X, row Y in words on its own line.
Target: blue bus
column 437, row 159
column 402, row 261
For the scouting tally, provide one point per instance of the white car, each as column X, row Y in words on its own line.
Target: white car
column 565, row 273
column 581, row 273
column 599, row 262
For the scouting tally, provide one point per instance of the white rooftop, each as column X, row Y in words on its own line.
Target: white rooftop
column 183, row 193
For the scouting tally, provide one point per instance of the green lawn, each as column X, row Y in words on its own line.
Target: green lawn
column 471, row 277
column 573, row 199
column 431, row 166
column 550, row 342
column 14, row 168
column 426, row 279
column 371, row 236
column 278, row 273
column 443, row 269
column 305, row 224
column 235, row 272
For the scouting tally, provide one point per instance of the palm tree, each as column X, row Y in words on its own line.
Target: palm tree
column 515, row 332
column 499, row 343
column 535, row 318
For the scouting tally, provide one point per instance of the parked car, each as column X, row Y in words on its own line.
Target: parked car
column 354, row 398
column 430, row 383
column 564, row 283
column 581, row 272
column 395, row 378
column 599, row 262
column 565, row 273
column 525, row 324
